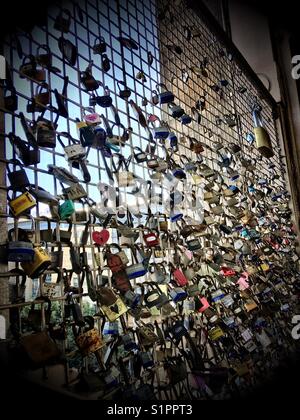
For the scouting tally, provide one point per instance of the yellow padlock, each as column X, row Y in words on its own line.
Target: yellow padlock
column 41, row 261
column 262, row 138
column 21, row 204
column 263, row 142
column 215, row 333
column 114, row 311
column 265, row 267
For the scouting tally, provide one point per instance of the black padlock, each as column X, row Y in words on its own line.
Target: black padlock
column 56, row 257
column 83, row 256
column 140, row 156
column 45, row 133
column 10, row 101
column 125, row 92
column 99, row 45
column 63, row 21
column 85, row 234
column 105, row 63
column 73, row 308
column 64, row 235
column 146, row 359
column 88, row 80
column 28, row 156
column 46, row 235
column 75, row 259
column 18, row 178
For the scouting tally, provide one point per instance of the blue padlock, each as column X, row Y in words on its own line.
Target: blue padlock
column 173, row 140
column 185, row 119
column 165, row 97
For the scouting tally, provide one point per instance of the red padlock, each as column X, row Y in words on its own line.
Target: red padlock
column 114, row 261
column 227, row 271
column 101, row 238
column 179, row 277
column 151, row 238
column 204, row 304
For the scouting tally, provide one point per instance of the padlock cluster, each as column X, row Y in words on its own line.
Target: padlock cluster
column 193, row 288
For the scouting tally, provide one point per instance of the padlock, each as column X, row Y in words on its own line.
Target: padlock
column 121, row 282
column 178, row 294
column 35, row 315
column 20, row 250
column 105, row 63
column 193, row 244
column 158, row 273
column 111, row 328
column 44, row 58
column 154, row 97
column 90, row 116
column 45, row 133
column 185, row 119
column 178, row 276
column 135, row 270
column 98, row 256
column 88, row 80
column 201, row 304
column 75, row 259
column 140, row 156
column 176, row 110
column 66, row 209
column 56, row 257
column 263, row 140
column 165, row 96
column 69, row 53
column 10, row 101
column 39, row 264
column 125, row 92
column 161, row 131
column 46, row 235
column 193, row 290
column 28, row 66
column 18, row 178
column 132, row 299
column 42, row 97
column 75, row 150
column 116, row 139
column 215, row 333
column 104, row 101
column 146, row 359
column 27, row 153
column 101, row 238
column 22, row 204
column 114, row 311
column 75, row 192
column 99, row 45
column 63, row 21
column 114, row 261
column 152, row 162
column 128, row 342
column 81, row 216
column 89, row 340
column 151, row 238
column 177, row 331
column 64, row 235
column 155, row 297
column 173, row 139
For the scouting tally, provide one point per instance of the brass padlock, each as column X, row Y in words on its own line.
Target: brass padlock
column 40, row 263
column 21, row 204
column 263, row 141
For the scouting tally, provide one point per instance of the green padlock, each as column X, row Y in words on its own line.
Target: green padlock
column 66, row 209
